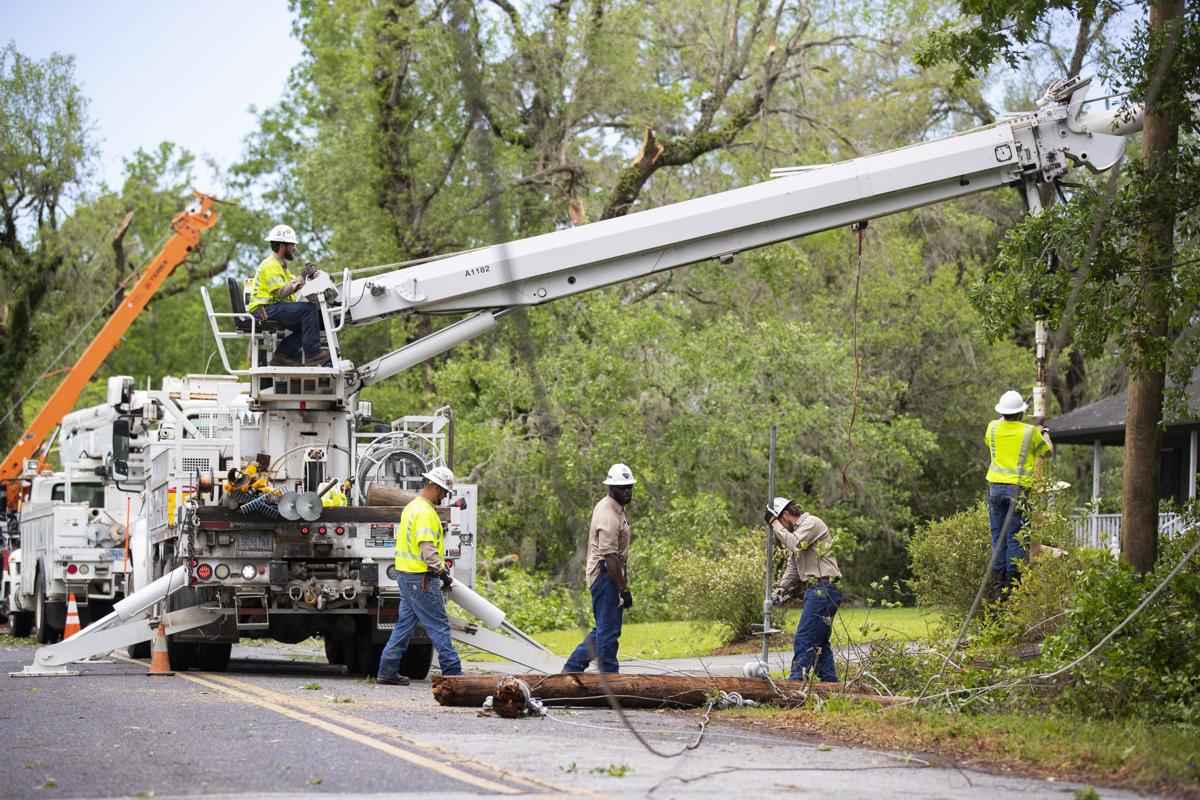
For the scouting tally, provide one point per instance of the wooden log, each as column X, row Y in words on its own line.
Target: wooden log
column 637, row 691
column 511, row 697
column 382, row 494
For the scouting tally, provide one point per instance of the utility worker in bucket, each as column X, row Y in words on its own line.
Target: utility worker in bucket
column 274, row 298
column 422, row 577
column 608, row 556
column 813, row 574
column 1015, row 448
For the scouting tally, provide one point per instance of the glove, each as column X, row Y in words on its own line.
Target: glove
column 626, row 600
column 447, row 580
column 781, row 596
column 308, row 271
column 768, row 516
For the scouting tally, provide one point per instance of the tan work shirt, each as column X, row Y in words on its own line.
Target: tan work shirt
column 607, row 535
column 808, row 551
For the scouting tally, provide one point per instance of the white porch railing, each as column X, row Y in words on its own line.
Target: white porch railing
column 1104, row 530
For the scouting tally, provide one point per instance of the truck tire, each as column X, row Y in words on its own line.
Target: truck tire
column 43, row 611
column 368, row 654
column 213, row 656
column 139, row 650
column 335, row 651
column 180, row 654
column 416, row 660
column 22, row 623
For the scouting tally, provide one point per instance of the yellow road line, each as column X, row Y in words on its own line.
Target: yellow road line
column 354, row 736
column 377, row 729
column 339, row 724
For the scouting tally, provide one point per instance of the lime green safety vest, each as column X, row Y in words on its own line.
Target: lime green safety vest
column 270, row 276
column 1015, row 448
column 419, row 522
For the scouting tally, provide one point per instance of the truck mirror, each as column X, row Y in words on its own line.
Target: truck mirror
column 120, row 440
column 120, row 469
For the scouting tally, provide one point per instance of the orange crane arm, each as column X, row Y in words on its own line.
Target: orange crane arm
column 186, row 229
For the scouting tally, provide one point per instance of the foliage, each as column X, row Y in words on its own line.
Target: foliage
column 532, row 600
column 946, row 554
column 726, row 586
column 1155, row 662
column 950, row 556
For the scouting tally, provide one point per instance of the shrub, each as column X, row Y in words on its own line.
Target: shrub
column 726, row 588
column 532, row 600
column 1153, row 665
column 949, row 557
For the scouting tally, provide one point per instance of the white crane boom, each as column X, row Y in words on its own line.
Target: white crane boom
column 1020, row 150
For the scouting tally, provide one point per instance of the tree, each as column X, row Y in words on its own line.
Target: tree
column 1126, row 280
column 44, row 155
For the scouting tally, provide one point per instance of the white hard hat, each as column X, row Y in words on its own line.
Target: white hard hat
column 442, row 476
column 282, row 233
column 778, row 505
column 1011, row 403
column 619, row 475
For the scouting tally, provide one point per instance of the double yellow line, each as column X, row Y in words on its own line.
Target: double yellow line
column 385, row 739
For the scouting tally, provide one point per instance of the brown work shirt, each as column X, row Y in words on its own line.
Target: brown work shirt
column 808, row 551
column 607, row 535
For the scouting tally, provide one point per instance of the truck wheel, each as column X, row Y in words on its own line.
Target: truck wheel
column 350, row 655
column 213, row 657
column 335, row 651
column 43, row 610
column 180, row 654
column 368, row 654
column 22, row 623
column 139, row 650
column 415, row 662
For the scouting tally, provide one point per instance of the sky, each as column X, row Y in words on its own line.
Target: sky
column 164, row 71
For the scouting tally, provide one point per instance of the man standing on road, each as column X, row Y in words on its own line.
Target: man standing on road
column 274, row 298
column 811, row 572
column 423, row 577
column 1015, row 448
column 608, row 555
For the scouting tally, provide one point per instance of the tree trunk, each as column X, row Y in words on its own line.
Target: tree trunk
column 1143, row 437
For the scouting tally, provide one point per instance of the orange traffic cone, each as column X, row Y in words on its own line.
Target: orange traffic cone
column 72, row 626
column 160, row 662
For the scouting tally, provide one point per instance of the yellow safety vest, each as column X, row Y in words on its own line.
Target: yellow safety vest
column 270, row 276
column 419, row 522
column 1015, row 448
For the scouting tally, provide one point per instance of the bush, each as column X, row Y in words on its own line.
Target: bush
column 532, row 600
column 1153, row 665
column 949, row 557
column 725, row 588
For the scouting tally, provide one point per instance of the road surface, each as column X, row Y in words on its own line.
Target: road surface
column 281, row 723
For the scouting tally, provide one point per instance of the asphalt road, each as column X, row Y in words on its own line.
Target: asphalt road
column 280, row 724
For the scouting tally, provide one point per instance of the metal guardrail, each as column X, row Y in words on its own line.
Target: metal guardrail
column 1104, row 530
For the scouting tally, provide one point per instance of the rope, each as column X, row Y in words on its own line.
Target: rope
column 860, row 228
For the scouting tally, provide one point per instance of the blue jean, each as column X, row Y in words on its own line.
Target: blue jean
column 421, row 599
column 1006, row 554
column 812, row 649
column 304, row 323
column 602, row 642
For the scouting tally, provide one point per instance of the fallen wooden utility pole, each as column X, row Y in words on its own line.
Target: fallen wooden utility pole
column 639, row 691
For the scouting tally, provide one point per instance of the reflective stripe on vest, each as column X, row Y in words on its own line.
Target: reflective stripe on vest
column 1023, row 455
column 420, row 512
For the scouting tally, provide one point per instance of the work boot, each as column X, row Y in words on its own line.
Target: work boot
column 393, row 680
column 318, row 359
column 280, row 360
column 996, row 586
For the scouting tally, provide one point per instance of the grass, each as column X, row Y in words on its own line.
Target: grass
column 659, row 640
column 1130, row 753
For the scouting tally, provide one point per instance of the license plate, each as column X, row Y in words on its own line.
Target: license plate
column 117, row 554
column 255, row 541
